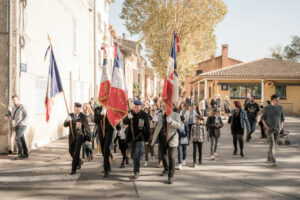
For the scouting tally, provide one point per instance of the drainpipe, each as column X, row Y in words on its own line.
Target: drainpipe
column 9, row 50
column 95, row 50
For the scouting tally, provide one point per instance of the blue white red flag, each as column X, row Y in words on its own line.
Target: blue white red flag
column 54, row 85
column 170, row 89
column 117, row 101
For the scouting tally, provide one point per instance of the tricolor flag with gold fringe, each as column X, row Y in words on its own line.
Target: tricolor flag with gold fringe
column 117, row 100
column 105, row 81
column 170, row 89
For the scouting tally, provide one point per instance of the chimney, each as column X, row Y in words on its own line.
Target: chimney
column 224, row 55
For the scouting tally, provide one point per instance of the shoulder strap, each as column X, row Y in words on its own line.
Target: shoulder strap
column 13, row 117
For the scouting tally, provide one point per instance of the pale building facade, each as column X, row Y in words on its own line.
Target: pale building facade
column 70, row 24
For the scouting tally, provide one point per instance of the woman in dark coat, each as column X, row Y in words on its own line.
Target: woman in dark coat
column 237, row 120
column 214, row 124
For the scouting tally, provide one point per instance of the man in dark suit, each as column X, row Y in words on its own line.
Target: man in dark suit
column 138, row 132
column 79, row 131
column 105, row 133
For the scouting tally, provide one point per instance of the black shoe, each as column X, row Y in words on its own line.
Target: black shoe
column 170, row 180
column 19, row 157
column 80, row 164
column 122, row 165
column 136, row 175
column 235, row 152
column 25, row 156
column 127, row 161
column 247, row 140
column 106, row 175
column 10, row 152
column 164, row 173
column 194, row 164
column 73, row 172
column 242, row 154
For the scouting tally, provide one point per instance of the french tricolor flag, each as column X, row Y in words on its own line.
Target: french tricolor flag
column 105, row 83
column 170, row 89
column 54, row 85
column 117, row 101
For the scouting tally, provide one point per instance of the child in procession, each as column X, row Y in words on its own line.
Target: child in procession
column 197, row 138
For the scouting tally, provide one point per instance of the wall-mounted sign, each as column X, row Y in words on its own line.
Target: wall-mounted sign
column 23, row 67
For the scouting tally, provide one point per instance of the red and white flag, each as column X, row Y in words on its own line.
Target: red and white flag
column 170, row 89
column 105, row 83
column 117, row 100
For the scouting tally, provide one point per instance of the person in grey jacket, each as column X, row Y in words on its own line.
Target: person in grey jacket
column 273, row 119
column 166, row 129
column 19, row 122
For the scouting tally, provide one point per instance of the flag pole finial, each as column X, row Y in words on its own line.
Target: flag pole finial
column 49, row 39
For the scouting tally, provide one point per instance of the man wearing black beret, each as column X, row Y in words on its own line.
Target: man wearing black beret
column 138, row 132
column 79, row 131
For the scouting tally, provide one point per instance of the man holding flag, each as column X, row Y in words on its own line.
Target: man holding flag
column 104, row 113
column 169, row 121
column 79, row 128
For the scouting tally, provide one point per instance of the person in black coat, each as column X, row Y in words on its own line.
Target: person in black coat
column 138, row 132
column 78, row 133
column 105, row 133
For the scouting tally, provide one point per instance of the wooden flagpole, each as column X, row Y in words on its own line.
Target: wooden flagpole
column 49, row 39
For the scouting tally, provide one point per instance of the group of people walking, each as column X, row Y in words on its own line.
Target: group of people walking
column 148, row 125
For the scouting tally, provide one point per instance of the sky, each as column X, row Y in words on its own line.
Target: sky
column 250, row 28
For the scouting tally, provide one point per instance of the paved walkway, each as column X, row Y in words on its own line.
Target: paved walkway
column 45, row 175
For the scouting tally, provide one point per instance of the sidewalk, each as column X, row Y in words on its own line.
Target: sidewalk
column 45, row 176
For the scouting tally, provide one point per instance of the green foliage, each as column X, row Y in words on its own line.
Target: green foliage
column 137, row 90
column 291, row 52
column 193, row 20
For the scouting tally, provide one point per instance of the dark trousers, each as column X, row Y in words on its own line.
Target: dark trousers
column 169, row 160
column 236, row 138
column 105, row 149
column 262, row 129
column 74, row 149
column 148, row 148
column 190, row 130
column 123, row 147
column 199, row 146
column 20, row 140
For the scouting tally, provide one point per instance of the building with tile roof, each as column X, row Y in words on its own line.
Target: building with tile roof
column 260, row 78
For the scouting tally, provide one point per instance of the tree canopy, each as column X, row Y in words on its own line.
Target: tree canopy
column 193, row 20
column 290, row 52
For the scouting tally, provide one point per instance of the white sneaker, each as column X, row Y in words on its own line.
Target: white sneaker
column 180, row 166
column 212, row 157
column 146, row 164
column 183, row 162
column 216, row 154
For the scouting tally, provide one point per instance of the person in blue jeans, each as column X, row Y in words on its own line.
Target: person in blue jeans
column 19, row 122
column 183, row 142
column 252, row 110
column 138, row 133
